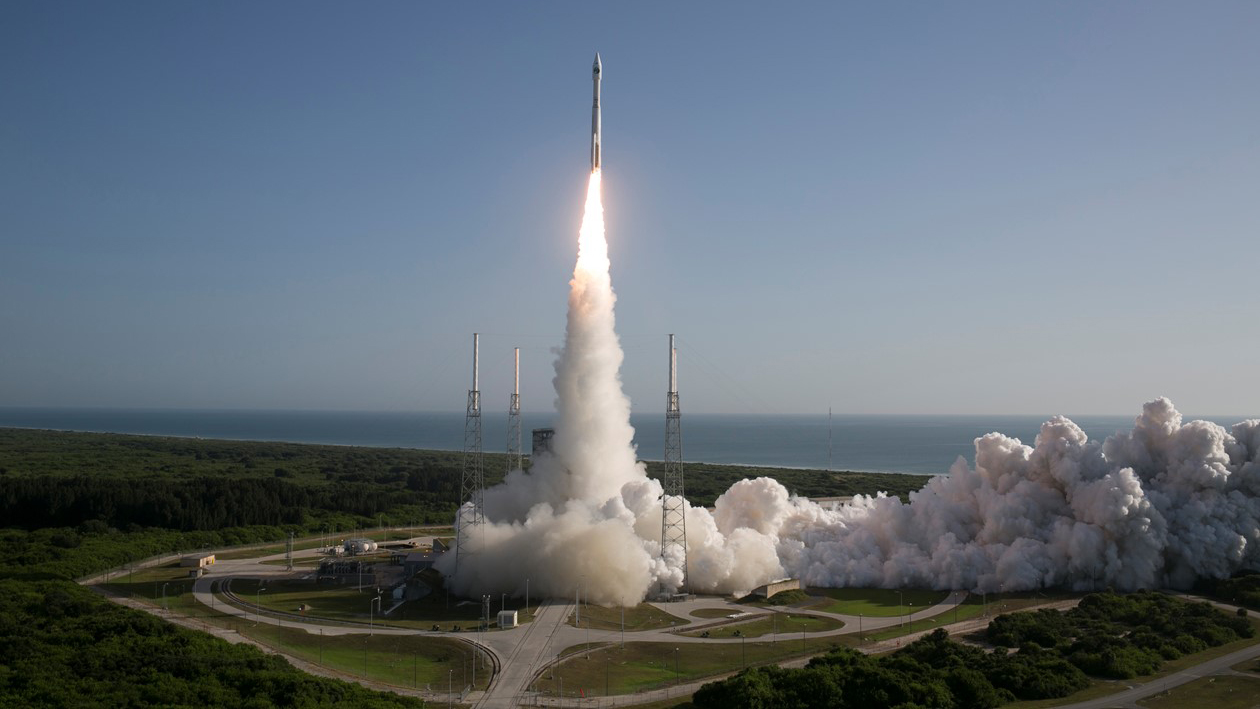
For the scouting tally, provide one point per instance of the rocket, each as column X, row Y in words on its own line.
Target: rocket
column 595, row 121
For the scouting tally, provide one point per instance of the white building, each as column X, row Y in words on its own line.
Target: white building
column 507, row 620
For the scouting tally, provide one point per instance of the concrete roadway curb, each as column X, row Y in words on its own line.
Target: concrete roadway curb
column 510, row 643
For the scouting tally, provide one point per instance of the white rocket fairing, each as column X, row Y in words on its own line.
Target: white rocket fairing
column 595, row 119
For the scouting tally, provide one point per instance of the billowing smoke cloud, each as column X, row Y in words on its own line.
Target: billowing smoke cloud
column 1156, row 506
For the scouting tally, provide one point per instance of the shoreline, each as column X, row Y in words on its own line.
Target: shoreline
column 750, row 466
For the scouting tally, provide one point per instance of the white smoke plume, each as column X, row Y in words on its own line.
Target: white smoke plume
column 1156, row 506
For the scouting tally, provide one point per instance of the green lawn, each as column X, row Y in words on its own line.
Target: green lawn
column 770, row 624
column 609, row 669
column 877, row 602
column 1223, row 692
column 339, row 602
column 397, row 660
column 401, row 660
column 644, row 616
column 714, row 612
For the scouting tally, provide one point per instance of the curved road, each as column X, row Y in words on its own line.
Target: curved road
column 521, row 653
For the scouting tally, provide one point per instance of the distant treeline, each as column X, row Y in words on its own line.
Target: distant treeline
column 1243, row 589
column 204, row 503
column 59, row 478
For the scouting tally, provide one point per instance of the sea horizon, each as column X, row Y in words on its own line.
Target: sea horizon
column 923, row 444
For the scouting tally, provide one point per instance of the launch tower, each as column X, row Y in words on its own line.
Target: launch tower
column 471, row 515
column 674, row 505
column 514, row 419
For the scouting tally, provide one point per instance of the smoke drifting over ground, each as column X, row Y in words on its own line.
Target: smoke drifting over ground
column 1151, row 507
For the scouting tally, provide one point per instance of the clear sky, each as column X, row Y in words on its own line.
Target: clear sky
column 878, row 207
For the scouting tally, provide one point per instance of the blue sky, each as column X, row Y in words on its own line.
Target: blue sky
column 879, row 207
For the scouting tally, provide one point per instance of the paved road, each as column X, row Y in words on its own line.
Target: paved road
column 522, row 653
column 1129, row 697
column 1220, row 665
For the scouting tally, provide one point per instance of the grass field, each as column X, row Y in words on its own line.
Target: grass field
column 876, row 602
column 345, row 603
column 771, row 624
column 1223, row 692
column 714, row 612
column 642, row 666
column 644, row 616
column 401, row 660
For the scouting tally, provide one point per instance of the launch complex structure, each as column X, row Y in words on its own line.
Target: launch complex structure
column 471, row 518
column 471, row 515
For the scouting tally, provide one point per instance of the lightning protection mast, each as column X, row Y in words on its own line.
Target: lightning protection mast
column 674, row 505
column 471, row 515
column 514, row 419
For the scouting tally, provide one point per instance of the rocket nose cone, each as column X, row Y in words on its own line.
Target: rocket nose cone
column 597, row 66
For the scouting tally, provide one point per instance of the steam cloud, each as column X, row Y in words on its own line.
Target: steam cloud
column 1155, row 506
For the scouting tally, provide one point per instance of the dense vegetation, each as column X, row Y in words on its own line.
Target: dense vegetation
column 1242, row 589
column 1121, row 637
column 58, row 478
column 63, row 645
column 1106, row 636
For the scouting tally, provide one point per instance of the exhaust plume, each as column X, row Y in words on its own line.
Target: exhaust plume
column 1152, row 507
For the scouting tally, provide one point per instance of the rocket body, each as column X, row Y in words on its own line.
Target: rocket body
column 596, row 71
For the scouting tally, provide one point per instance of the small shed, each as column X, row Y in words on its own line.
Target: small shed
column 779, row 586
column 197, row 561
column 507, row 620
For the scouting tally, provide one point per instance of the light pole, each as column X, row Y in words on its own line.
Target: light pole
column 677, row 677
column 371, row 617
column 321, row 647
column 743, row 651
column 164, row 596
column 450, row 701
column 257, row 603
column 910, row 617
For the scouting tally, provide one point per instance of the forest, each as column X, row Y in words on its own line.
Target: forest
column 1037, row 655
column 60, row 479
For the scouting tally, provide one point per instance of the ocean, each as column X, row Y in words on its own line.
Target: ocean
column 925, row 445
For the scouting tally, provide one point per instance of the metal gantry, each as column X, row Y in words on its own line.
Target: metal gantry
column 471, row 515
column 673, row 503
column 514, row 460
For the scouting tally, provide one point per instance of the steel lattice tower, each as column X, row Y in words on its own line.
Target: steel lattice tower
column 673, row 504
column 471, row 515
column 514, row 420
